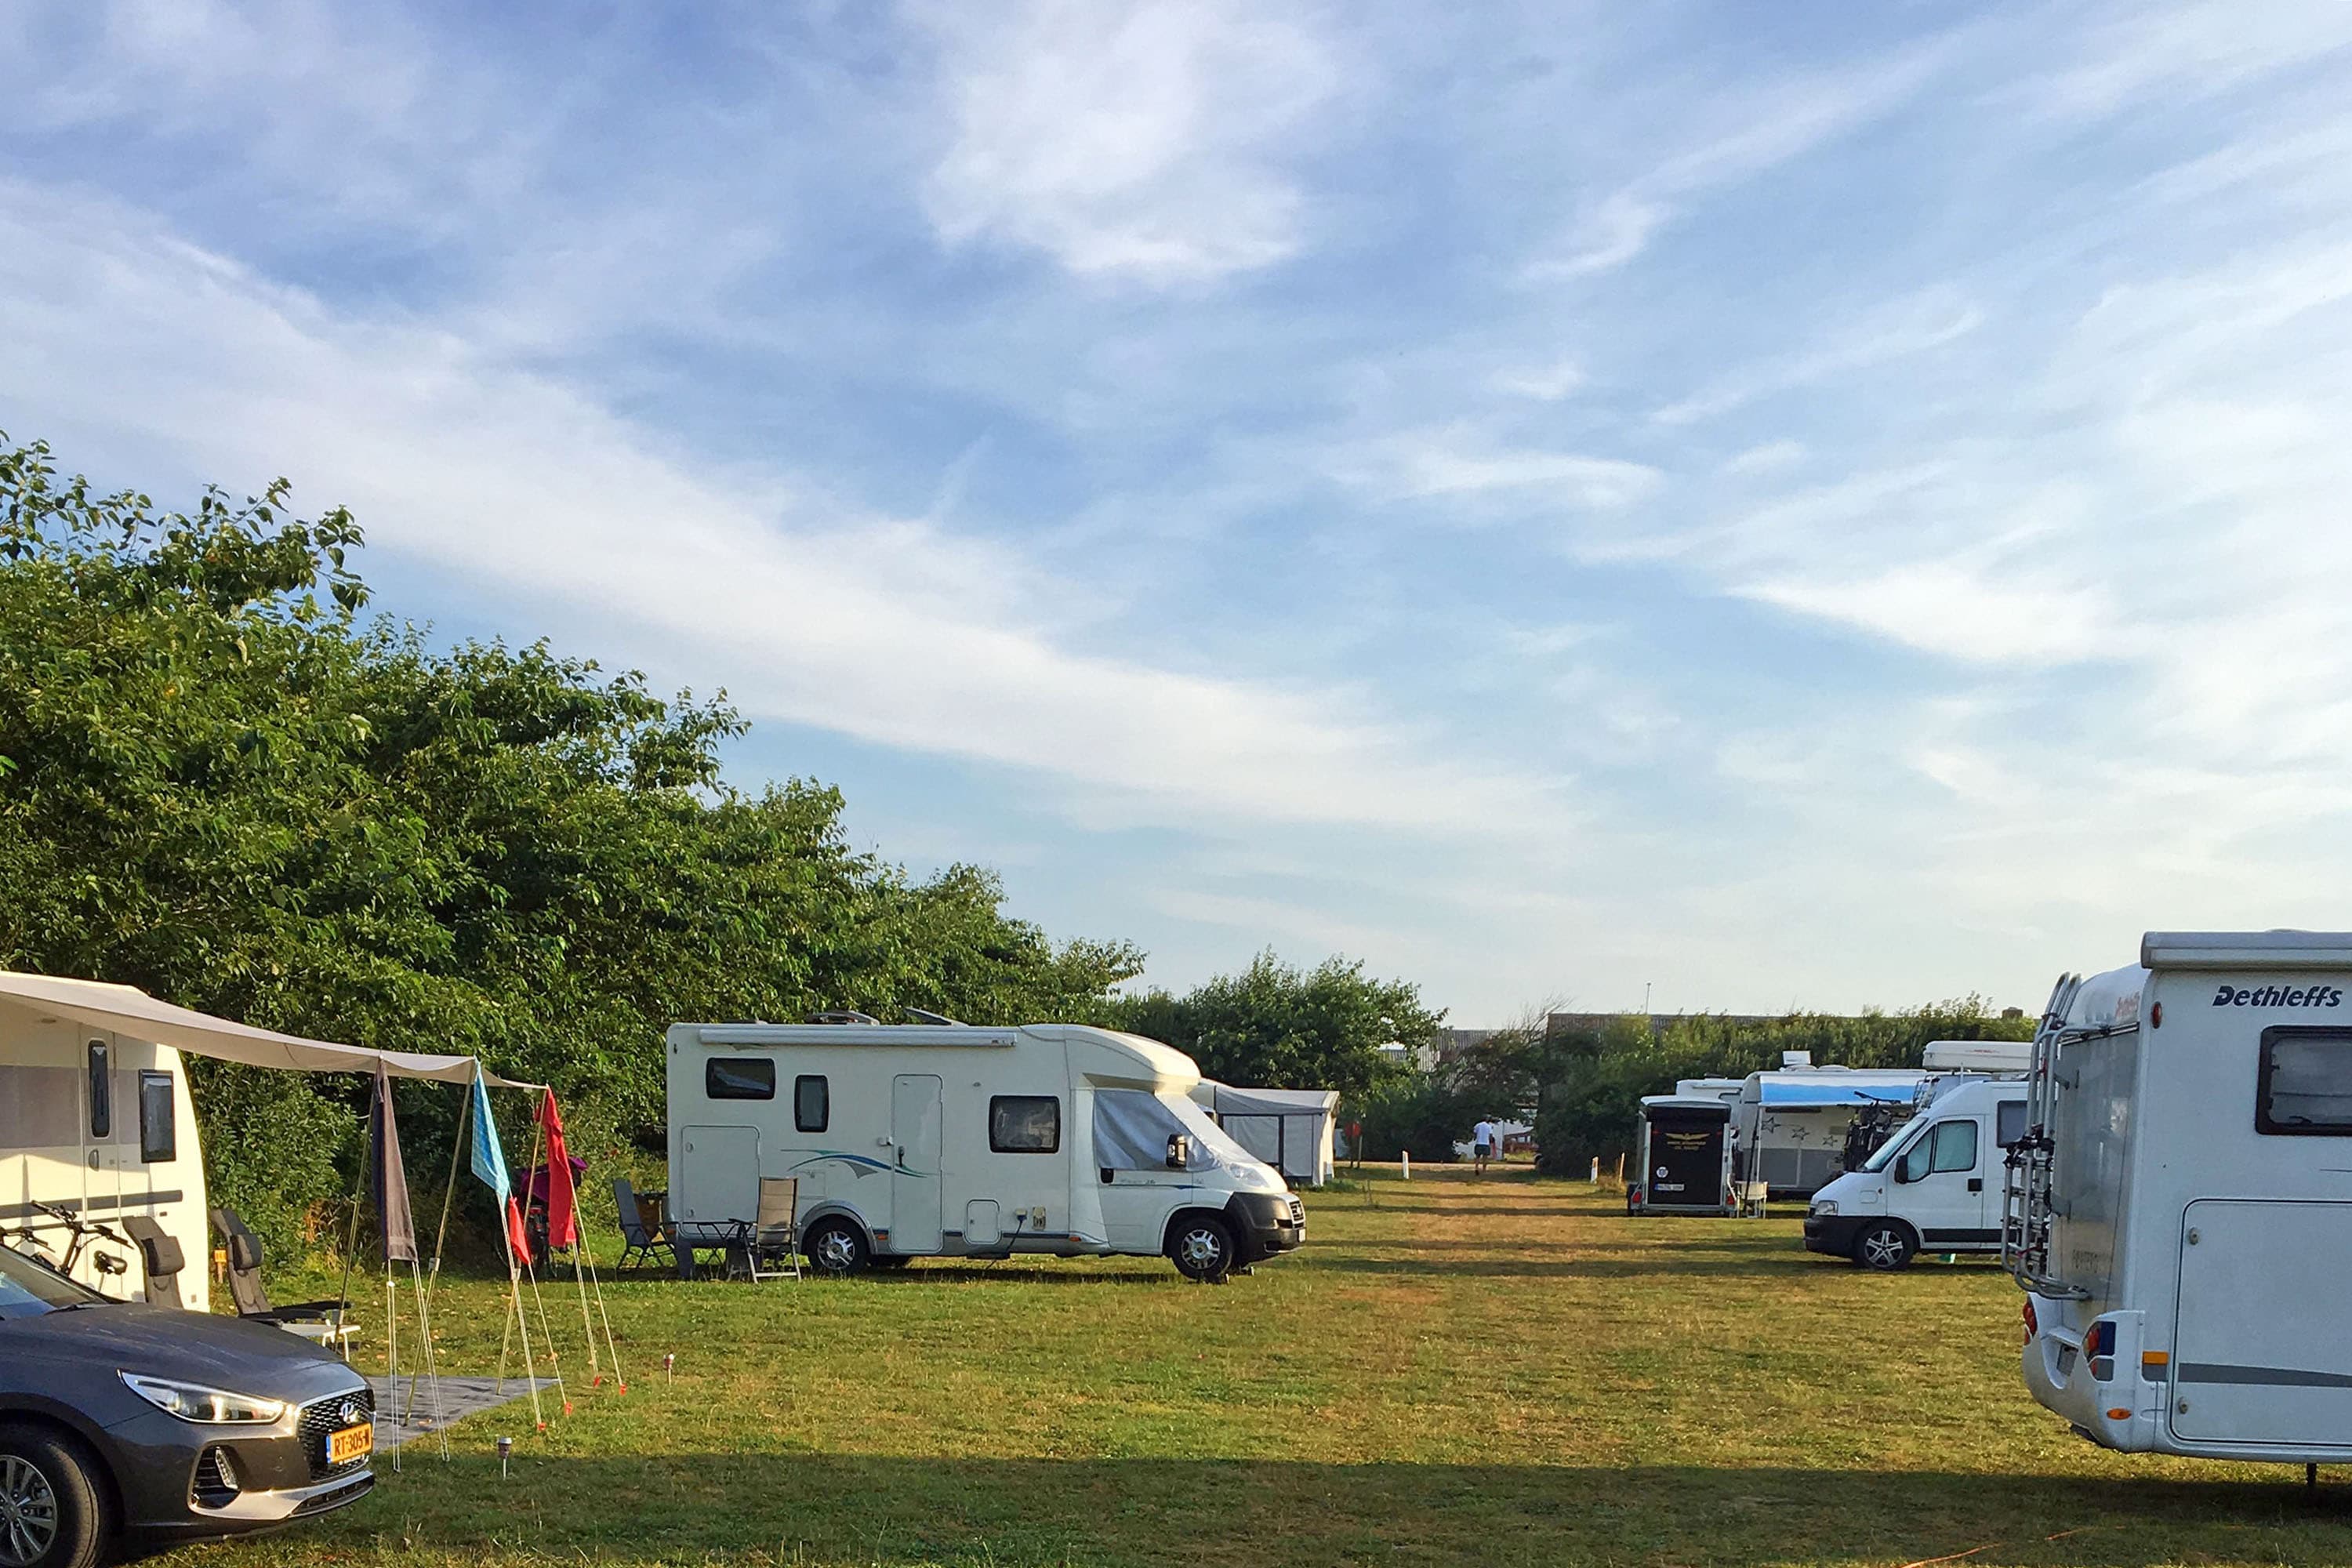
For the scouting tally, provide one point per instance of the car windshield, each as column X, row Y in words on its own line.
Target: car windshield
column 29, row 1287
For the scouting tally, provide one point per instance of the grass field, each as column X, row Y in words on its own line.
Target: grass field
column 1454, row 1371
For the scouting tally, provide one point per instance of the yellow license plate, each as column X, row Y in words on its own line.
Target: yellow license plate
column 351, row 1443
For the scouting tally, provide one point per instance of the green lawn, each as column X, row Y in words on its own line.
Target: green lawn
column 1453, row 1371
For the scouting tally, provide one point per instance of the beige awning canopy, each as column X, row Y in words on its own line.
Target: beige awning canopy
column 128, row 1010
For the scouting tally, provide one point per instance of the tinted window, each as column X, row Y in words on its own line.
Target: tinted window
column 739, row 1077
column 2306, row 1082
column 101, row 1091
column 159, row 1134
column 811, row 1107
column 1024, row 1123
column 2009, row 1122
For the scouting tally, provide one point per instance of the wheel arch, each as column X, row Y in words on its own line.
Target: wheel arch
column 834, row 1208
column 69, row 1425
column 1186, row 1215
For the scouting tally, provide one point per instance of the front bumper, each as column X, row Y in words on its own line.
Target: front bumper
column 1835, row 1234
column 1266, row 1225
column 164, row 1467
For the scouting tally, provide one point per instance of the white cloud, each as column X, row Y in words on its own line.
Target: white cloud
column 1459, row 462
column 1907, row 327
column 888, row 630
column 1142, row 141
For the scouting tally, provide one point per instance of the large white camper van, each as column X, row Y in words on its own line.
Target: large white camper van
column 914, row 1140
column 1790, row 1126
column 2180, row 1208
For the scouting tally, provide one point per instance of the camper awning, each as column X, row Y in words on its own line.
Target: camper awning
column 1823, row 1096
column 1231, row 1101
column 128, row 1010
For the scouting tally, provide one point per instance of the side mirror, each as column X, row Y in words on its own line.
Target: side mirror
column 1180, row 1151
column 1913, row 1167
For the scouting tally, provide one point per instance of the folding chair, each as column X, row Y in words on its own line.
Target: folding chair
column 642, row 1235
column 775, row 1245
column 325, row 1322
column 162, row 1255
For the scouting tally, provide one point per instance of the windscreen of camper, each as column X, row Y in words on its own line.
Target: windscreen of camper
column 1132, row 1127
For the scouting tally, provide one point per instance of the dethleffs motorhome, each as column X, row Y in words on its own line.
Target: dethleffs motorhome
column 1681, row 1155
column 2180, row 1208
column 915, row 1141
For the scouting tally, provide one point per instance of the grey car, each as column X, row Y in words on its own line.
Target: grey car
column 130, row 1426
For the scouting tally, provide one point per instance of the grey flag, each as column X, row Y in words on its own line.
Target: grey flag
column 393, row 1220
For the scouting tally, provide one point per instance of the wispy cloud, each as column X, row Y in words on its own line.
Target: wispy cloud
column 1143, row 142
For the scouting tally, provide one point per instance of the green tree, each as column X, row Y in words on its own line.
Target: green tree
column 1275, row 1025
column 217, row 783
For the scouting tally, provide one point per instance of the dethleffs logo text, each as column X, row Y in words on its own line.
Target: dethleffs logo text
column 2278, row 996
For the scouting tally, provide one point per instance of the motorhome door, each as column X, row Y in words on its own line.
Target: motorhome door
column 2248, row 1366
column 721, row 1184
column 915, row 1182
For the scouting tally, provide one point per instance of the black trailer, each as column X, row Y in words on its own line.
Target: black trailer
column 1682, row 1156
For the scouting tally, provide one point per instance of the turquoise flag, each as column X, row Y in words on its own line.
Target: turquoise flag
column 489, row 1161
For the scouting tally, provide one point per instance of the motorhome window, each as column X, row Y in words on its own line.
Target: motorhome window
column 159, row 1136
column 2009, row 1123
column 812, row 1105
column 739, row 1077
column 1132, row 1129
column 101, row 1091
column 2305, row 1087
column 1024, row 1124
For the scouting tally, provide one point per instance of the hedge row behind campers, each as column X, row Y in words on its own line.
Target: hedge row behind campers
column 943, row 1141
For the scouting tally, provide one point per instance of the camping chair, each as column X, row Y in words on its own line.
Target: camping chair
column 775, row 1244
column 324, row 1321
column 163, row 1257
column 643, row 1234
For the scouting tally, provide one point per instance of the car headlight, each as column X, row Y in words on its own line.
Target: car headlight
column 195, row 1401
column 1824, row 1205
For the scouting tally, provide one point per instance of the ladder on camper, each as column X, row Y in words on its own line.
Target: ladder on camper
column 2027, row 1213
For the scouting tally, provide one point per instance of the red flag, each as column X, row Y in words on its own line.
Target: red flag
column 518, row 1238
column 562, row 1201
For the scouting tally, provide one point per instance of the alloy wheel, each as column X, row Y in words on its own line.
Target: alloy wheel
column 28, row 1512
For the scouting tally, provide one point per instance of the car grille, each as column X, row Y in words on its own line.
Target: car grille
column 322, row 1416
column 351, row 1492
column 215, row 1484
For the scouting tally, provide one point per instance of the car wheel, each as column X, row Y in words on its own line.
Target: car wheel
column 50, row 1516
column 837, row 1248
column 1201, row 1247
column 1884, row 1246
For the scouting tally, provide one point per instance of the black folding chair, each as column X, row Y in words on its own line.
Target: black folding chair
column 640, row 1239
column 325, row 1322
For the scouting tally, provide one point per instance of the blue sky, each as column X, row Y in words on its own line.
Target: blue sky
column 1785, row 505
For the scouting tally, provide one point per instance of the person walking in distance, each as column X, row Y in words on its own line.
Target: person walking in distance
column 1482, row 1145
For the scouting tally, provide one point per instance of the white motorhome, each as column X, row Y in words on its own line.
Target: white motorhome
column 99, row 1123
column 1934, row 1186
column 1790, row 1126
column 1681, row 1155
column 2180, row 1208
column 914, row 1140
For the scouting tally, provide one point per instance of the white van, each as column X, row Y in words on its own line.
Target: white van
column 914, row 1140
column 2180, row 1208
column 1935, row 1186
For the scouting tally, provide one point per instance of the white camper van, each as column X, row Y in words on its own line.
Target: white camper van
column 1681, row 1155
column 2180, row 1208
column 99, row 1123
column 915, row 1141
column 1790, row 1126
column 1935, row 1186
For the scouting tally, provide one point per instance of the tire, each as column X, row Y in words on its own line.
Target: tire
column 1201, row 1247
column 51, row 1514
column 836, row 1248
column 1885, row 1247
